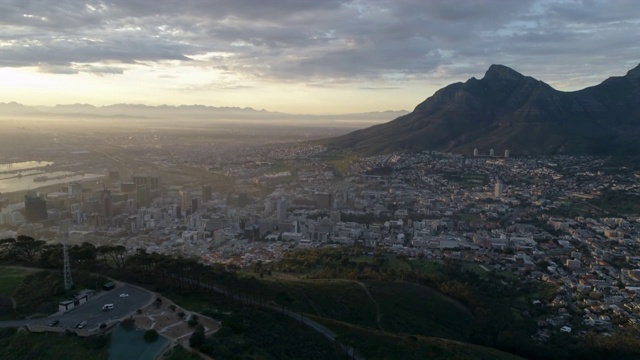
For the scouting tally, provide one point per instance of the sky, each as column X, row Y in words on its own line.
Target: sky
column 301, row 56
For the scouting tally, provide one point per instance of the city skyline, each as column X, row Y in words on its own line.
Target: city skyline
column 303, row 57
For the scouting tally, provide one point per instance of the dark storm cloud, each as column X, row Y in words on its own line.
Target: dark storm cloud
column 315, row 42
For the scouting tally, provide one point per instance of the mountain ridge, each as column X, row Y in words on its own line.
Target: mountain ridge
column 143, row 111
column 506, row 110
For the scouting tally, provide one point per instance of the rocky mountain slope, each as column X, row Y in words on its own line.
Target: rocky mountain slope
column 507, row 110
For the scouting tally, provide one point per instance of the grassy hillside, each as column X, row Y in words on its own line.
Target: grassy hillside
column 390, row 305
column 10, row 281
column 416, row 309
column 375, row 344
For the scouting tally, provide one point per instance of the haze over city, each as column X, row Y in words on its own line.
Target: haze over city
column 305, row 57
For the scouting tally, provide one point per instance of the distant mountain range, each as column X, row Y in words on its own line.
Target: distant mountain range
column 176, row 113
column 507, row 110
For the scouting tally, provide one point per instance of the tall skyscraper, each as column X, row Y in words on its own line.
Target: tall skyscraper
column 195, row 204
column 35, row 208
column 143, row 196
column 107, row 204
column 184, row 199
column 281, row 210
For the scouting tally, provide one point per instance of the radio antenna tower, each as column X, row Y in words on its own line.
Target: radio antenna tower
column 68, row 281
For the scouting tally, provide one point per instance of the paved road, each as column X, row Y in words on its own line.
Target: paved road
column 92, row 312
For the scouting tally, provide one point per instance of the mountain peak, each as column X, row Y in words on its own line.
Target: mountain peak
column 501, row 72
column 507, row 110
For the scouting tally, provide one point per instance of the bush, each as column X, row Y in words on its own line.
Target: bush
column 172, row 307
column 151, row 335
column 139, row 311
column 181, row 314
column 193, row 321
column 197, row 339
column 103, row 326
column 128, row 323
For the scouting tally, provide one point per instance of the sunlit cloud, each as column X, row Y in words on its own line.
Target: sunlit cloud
column 365, row 44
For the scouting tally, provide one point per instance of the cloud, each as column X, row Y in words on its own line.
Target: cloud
column 57, row 69
column 323, row 42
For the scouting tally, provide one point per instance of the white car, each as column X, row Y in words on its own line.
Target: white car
column 123, row 295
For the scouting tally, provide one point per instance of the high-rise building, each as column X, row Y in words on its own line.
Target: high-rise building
column 107, row 204
column 206, row 193
column 281, row 210
column 195, row 204
column 498, row 189
column 475, row 152
column 184, row 199
column 506, row 154
column 143, row 196
column 492, row 152
column 152, row 182
column 35, row 208
column 324, row 200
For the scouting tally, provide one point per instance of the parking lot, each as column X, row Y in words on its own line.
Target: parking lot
column 92, row 311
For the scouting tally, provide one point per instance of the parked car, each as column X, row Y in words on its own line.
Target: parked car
column 124, row 295
column 82, row 324
column 54, row 323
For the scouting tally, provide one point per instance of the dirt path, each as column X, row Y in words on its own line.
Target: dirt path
column 378, row 314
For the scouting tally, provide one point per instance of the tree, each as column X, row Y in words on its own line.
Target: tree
column 197, row 338
column 114, row 254
column 27, row 247
column 6, row 247
column 151, row 335
column 193, row 321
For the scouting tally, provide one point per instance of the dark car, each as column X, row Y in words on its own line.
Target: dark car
column 54, row 323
